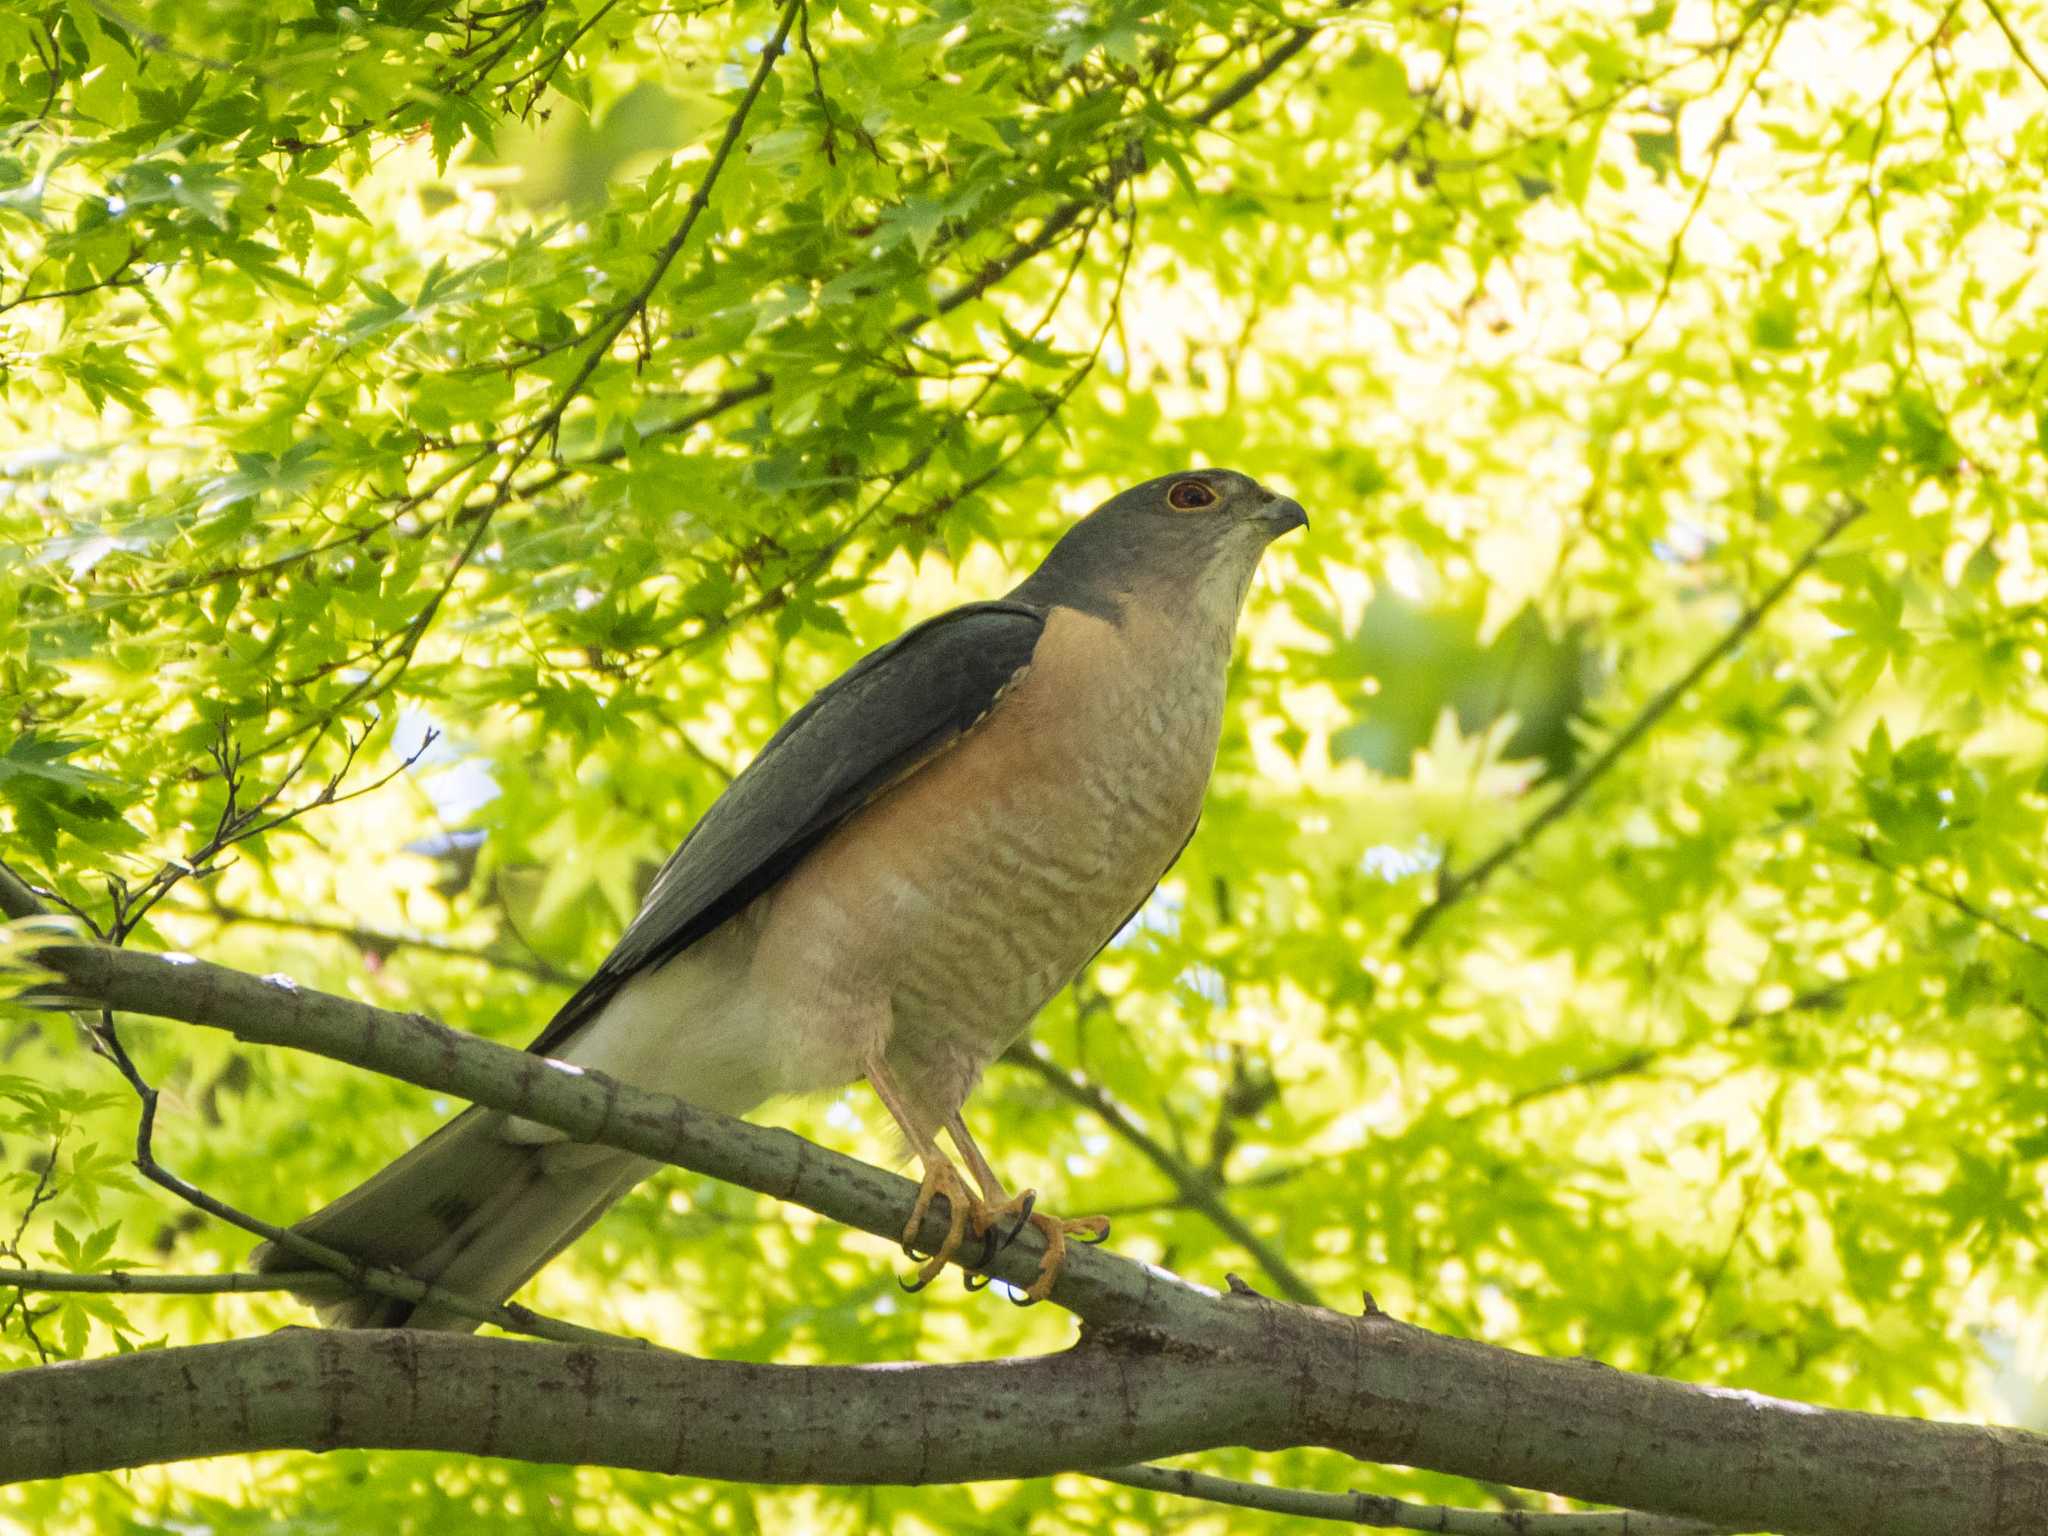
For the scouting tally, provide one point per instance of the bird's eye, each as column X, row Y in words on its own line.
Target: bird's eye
column 1190, row 496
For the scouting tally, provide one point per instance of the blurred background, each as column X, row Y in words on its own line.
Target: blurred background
column 1616, row 928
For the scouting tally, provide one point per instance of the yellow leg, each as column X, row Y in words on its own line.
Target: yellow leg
column 941, row 1178
column 991, row 1187
column 984, row 1213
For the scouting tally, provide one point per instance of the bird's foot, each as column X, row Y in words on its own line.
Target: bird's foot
column 997, row 1225
column 941, row 1181
column 1001, row 1224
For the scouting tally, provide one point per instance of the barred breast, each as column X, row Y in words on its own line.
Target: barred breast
column 948, row 912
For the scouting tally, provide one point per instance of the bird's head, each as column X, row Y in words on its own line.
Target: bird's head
column 1202, row 506
column 1195, row 536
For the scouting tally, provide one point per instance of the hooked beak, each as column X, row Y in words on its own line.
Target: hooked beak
column 1282, row 514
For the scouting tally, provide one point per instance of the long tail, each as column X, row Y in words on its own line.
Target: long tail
column 468, row 1208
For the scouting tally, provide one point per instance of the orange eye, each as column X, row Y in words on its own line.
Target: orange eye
column 1190, row 496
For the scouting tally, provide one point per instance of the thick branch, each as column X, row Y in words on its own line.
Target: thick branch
column 1163, row 1368
column 402, row 1389
column 1267, row 1374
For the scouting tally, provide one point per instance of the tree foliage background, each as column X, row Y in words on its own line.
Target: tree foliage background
column 367, row 373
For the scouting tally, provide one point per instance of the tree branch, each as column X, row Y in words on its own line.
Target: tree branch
column 273, row 1010
column 357, row 1272
column 381, row 941
column 1197, row 1189
column 1454, row 888
column 2019, row 49
column 1954, row 900
column 1163, row 1367
column 128, row 1282
column 1273, row 1375
column 17, row 897
column 1397, row 1514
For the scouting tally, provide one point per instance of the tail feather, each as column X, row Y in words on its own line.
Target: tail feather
column 468, row 1209
column 488, row 1199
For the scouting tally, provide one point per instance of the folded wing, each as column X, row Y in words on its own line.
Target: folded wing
column 884, row 716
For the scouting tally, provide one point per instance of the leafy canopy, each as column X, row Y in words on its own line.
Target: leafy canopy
column 368, row 373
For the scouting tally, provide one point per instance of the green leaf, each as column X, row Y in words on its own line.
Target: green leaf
column 916, row 219
column 1657, row 151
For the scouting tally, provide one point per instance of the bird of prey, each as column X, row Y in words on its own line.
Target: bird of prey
column 920, row 858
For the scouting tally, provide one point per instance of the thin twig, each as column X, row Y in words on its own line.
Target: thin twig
column 378, row 939
column 1397, row 1514
column 1265, row 1178
column 125, row 1282
column 1198, row 1190
column 114, row 279
column 598, row 341
column 830, row 144
column 546, row 69
column 1122, row 169
column 356, row 1272
column 1710, row 1282
column 2019, row 49
column 1947, row 897
column 237, row 824
column 1722, row 138
column 45, row 1191
column 1453, row 888
column 1256, row 76
column 411, row 501
column 1870, row 197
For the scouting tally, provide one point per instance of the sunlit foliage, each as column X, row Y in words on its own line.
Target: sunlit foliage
column 1667, row 388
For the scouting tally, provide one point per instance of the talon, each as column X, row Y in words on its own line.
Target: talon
column 941, row 1182
column 992, row 1243
column 910, row 1228
column 1025, row 1203
column 997, row 1227
column 994, row 1239
column 1087, row 1229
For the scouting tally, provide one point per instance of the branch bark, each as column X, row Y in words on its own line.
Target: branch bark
column 1162, row 1366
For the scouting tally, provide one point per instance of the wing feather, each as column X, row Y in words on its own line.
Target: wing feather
column 885, row 715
